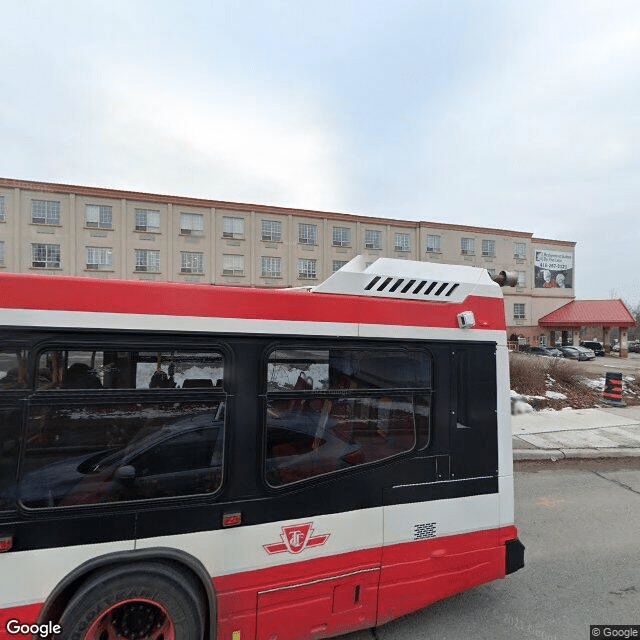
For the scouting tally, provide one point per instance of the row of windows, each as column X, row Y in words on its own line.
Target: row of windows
column 101, row 258
column 327, row 410
column 148, row 220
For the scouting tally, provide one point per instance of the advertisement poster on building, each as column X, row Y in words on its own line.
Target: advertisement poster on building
column 553, row 269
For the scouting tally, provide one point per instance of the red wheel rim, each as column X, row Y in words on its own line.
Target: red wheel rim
column 136, row 619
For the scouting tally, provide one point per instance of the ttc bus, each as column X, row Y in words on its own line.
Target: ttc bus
column 190, row 462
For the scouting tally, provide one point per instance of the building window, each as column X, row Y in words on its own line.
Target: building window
column 520, row 250
column 2, row 218
column 232, row 227
column 306, row 269
column 337, row 264
column 147, row 220
column 488, row 248
column 433, row 244
column 372, row 239
column 191, row 262
column 147, row 260
column 307, row 234
column 99, row 258
column 191, row 223
column 45, row 256
column 518, row 310
column 341, row 236
column 45, row 212
column 271, row 231
column 402, row 242
column 271, row 267
column 233, row 265
column 521, row 278
column 1, row 254
column 467, row 246
column 98, row 216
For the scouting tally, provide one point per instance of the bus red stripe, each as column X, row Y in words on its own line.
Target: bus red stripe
column 396, row 580
column 160, row 298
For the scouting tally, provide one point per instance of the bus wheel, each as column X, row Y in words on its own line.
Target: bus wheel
column 140, row 601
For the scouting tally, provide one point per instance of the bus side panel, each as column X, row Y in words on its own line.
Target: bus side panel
column 320, row 597
column 418, row 574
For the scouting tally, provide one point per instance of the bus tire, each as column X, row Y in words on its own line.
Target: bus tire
column 136, row 601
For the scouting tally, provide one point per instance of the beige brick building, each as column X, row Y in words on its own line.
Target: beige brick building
column 106, row 233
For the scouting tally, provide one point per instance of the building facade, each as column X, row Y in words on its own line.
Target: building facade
column 107, row 233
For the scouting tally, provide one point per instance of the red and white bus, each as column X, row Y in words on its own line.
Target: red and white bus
column 182, row 462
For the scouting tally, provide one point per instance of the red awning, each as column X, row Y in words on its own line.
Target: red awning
column 589, row 313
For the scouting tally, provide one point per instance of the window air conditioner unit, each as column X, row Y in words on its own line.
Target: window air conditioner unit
column 92, row 265
column 141, row 267
column 39, row 264
column 185, row 232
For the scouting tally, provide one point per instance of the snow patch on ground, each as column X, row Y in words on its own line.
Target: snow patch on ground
column 555, row 395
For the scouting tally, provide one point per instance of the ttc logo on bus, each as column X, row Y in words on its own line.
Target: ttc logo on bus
column 296, row 538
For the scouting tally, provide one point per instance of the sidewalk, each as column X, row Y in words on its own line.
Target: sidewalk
column 576, row 433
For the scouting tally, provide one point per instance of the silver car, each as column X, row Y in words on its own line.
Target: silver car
column 578, row 353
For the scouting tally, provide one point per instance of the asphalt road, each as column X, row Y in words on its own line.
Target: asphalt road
column 580, row 522
column 627, row 365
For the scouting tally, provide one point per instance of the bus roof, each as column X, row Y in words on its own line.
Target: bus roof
column 387, row 293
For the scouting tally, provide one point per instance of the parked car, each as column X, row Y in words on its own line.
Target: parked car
column 551, row 352
column 578, row 353
column 634, row 346
column 594, row 345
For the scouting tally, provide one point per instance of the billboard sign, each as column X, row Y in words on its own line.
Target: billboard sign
column 553, row 269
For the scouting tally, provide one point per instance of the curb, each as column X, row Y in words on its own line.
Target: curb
column 566, row 454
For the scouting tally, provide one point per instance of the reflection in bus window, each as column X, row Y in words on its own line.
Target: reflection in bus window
column 334, row 409
column 13, row 369
column 306, row 369
column 89, row 454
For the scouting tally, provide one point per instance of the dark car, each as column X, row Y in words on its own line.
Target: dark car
column 550, row 352
column 178, row 459
column 594, row 345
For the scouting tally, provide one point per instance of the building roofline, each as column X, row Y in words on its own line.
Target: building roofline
column 564, row 243
column 106, row 192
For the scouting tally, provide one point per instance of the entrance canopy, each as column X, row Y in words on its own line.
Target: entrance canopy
column 605, row 314
column 589, row 313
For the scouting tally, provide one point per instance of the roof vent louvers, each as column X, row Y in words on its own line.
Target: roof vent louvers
column 384, row 284
column 419, row 287
column 408, row 286
column 372, row 283
column 410, row 280
column 430, row 288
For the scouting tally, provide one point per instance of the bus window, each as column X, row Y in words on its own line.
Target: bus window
column 95, row 453
column 98, row 446
column 113, row 369
column 333, row 409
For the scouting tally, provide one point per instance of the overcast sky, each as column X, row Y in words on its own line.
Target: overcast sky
column 521, row 114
